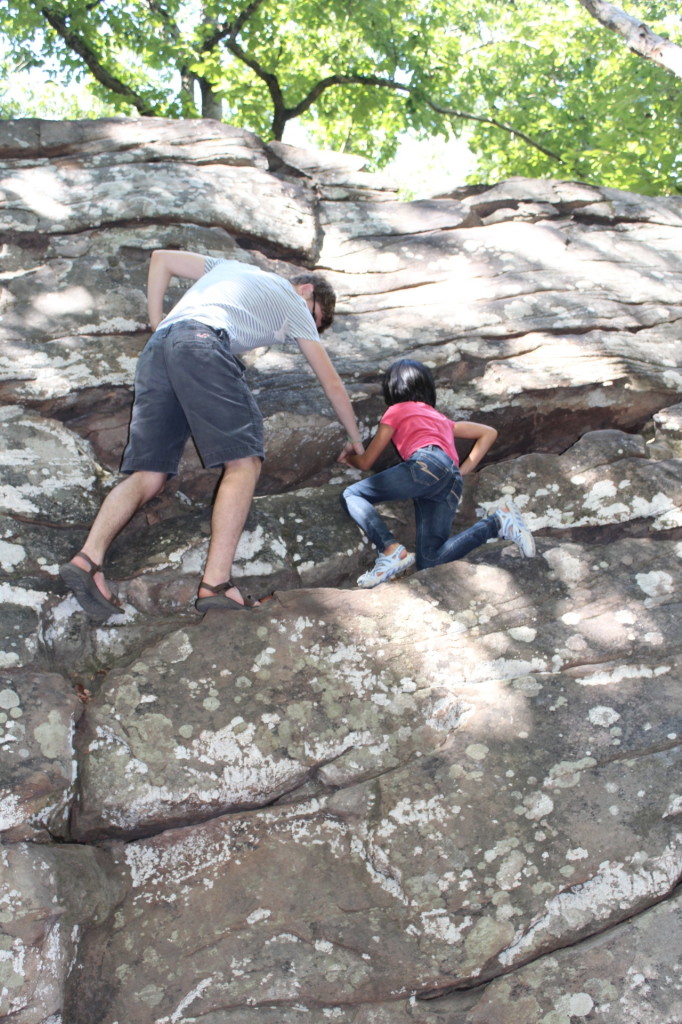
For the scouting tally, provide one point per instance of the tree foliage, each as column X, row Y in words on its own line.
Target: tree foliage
column 610, row 116
column 539, row 89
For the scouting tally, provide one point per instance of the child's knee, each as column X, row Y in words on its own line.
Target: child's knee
column 425, row 559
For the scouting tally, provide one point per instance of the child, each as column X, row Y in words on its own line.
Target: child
column 430, row 474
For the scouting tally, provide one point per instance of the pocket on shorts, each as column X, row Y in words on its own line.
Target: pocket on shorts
column 190, row 335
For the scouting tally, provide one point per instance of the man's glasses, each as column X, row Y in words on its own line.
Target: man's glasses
column 324, row 320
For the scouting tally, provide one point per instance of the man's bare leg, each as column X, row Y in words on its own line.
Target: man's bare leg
column 117, row 509
column 230, row 509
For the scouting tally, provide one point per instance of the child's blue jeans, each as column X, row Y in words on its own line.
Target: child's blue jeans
column 434, row 483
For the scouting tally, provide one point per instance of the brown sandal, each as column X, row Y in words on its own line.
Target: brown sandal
column 81, row 582
column 220, row 600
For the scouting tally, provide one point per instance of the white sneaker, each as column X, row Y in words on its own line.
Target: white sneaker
column 386, row 567
column 512, row 527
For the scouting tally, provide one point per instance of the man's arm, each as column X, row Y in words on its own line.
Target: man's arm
column 332, row 385
column 164, row 264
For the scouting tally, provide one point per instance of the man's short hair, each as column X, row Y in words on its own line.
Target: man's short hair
column 324, row 296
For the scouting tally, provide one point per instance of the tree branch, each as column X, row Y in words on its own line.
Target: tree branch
column 282, row 113
column 230, row 29
column 227, row 33
column 384, row 83
column 162, row 13
column 248, row 11
column 641, row 39
column 96, row 68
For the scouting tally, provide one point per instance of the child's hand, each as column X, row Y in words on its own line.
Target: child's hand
column 349, row 451
column 356, row 456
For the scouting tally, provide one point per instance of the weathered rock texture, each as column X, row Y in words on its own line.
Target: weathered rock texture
column 452, row 800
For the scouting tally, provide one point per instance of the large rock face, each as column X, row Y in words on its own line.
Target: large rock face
column 452, row 800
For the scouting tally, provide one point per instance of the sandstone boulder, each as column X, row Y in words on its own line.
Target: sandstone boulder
column 451, row 800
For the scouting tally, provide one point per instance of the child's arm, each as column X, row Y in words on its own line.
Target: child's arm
column 374, row 449
column 484, row 438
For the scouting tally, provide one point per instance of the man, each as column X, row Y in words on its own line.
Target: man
column 189, row 380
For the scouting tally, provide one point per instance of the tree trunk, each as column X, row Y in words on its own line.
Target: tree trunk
column 211, row 105
column 187, row 98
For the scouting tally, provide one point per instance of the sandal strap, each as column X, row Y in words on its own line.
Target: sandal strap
column 94, row 568
column 227, row 585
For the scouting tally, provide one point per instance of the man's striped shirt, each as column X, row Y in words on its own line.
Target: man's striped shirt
column 255, row 307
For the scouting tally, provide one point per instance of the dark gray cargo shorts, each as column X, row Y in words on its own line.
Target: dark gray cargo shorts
column 188, row 382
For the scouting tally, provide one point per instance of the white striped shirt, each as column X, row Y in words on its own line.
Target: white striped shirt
column 255, row 307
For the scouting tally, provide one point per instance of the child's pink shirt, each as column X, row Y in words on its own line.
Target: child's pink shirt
column 416, row 424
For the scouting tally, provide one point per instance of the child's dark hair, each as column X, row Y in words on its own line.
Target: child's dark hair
column 409, row 381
